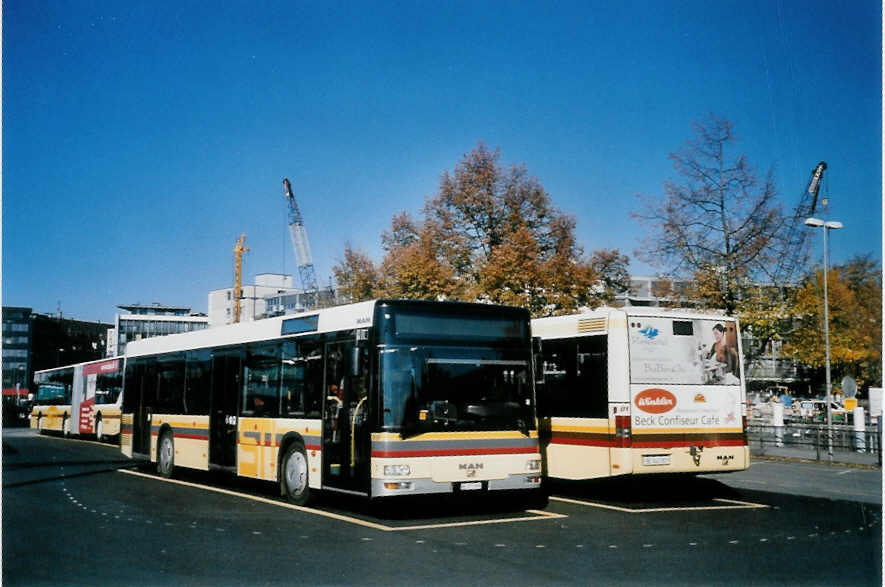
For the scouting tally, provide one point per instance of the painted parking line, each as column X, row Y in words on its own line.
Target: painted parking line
column 538, row 514
column 729, row 504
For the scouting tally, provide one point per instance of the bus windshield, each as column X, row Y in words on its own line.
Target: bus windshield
column 683, row 351
column 438, row 388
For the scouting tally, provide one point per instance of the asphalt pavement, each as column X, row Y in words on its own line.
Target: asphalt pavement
column 76, row 513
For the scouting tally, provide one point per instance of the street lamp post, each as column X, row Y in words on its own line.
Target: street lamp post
column 827, row 226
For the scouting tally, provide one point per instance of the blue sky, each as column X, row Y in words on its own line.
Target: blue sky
column 141, row 138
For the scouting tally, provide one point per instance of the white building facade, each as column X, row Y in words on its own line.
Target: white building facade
column 253, row 301
column 140, row 321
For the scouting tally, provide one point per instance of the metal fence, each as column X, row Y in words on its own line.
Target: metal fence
column 810, row 440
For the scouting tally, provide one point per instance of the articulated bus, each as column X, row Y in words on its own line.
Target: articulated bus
column 376, row 399
column 82, row 399
column 641, row 390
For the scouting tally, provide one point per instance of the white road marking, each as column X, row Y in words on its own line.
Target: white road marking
column 538, row 514
column 845, row 471
column 734, row 505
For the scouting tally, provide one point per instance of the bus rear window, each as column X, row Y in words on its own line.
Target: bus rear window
column 682, row 328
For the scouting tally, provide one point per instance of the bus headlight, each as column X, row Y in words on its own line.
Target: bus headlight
column 533, row 465
column 396, row 470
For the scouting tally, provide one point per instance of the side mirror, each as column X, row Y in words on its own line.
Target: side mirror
column 538, row 360
column 355, row 360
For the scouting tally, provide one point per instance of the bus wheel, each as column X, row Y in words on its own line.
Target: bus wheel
column 165, row 455
column 294, row 477
column 65, row 425
column 40, row 424
column 98, row 430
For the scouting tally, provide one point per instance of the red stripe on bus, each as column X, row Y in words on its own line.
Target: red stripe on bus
column 674, row 443
column 190, row 436
column 277, row 444
column 453, row 452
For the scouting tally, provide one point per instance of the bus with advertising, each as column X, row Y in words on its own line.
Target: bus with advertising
column 81, row 399
column 641, row 390
column 377, row 399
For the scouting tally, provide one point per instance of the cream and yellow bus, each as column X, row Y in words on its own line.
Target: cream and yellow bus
column 81, row 399
column 641, row 390
column 377, row 399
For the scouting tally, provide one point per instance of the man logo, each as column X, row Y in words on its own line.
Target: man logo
column 470, row 469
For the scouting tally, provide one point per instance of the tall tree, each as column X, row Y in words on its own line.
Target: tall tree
column 854, row 291
column 491, row 233
column 720, row 225
column 356, row 275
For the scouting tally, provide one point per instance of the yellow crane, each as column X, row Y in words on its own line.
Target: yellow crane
column 239, row 249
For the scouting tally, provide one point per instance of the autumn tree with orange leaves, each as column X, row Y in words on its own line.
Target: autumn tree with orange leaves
column 492, row 234
column 854, row 292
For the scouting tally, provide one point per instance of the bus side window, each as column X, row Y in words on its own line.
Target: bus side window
column 576, row 378
column 592, row 376
column 313, row 380
column 262, row 374
column 170, row 383
column 107, row 387
column 559, row 368
column 302, row 379
column 198, row 379
column 291, row 381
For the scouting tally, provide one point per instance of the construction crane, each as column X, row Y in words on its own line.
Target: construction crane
column 239, row 249
column 796, row 238
column 299, row 242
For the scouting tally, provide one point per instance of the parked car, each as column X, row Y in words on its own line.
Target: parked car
column 765, row 410
column 816, row 409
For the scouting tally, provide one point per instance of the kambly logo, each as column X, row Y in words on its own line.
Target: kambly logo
column 649, row 332
column 655, row 401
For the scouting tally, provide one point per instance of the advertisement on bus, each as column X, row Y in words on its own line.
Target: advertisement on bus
column 685, row 374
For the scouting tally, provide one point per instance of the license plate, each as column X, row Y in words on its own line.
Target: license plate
column 471, row 485
column 651, row 460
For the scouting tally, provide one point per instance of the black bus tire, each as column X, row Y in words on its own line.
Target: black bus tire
column 165, row 455
column 294, row 475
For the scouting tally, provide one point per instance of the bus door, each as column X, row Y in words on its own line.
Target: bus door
column 78, row 399
column 345, row 430
column 226, row 381
column 141, row 419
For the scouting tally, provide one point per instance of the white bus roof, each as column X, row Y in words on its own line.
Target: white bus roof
column 72, row 365
column 347, row 317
